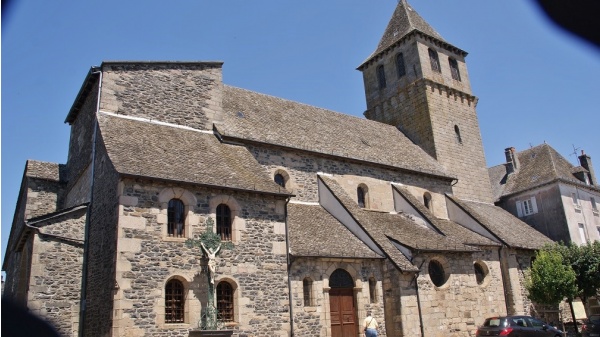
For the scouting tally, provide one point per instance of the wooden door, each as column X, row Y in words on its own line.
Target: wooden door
column 343, row 318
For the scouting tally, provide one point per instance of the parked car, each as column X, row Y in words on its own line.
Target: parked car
column 517, row 326
column 591, row 328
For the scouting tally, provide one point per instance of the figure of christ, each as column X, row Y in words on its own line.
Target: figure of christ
column 211, row 254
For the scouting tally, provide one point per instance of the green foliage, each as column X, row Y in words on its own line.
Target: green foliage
column 585, row 261
column 209, row 238
column 550, row 279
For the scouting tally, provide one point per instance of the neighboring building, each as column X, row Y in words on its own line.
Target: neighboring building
column 546, row 191
column 330, row 216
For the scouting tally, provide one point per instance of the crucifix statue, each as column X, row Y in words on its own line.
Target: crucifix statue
column 211, row 254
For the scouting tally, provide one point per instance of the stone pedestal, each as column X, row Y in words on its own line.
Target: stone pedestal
column 211, row 333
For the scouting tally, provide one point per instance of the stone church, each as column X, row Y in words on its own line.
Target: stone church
column 327, row 216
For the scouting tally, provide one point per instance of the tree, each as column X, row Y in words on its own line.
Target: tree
column 585, row 262
column 550, row 279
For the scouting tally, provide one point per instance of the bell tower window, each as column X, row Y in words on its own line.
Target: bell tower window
column 454, row 69
column 381, row 77
column 400, row 67
column 434, row 60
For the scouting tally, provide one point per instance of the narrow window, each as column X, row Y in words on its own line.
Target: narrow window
column 434, row 60
column 480, row 273
column 279, row 180
column 373, row 290
column 381, row 77
column 436, row 273
column 176, row 218
column 583, row 233
column 454, row 69
column 427, row 200
column 594, row 205
column 457, row 134
column 307, row 292
column 400, row 67
column 362, row 196
column 224, row 222
column 174, row 302
column 224, row 302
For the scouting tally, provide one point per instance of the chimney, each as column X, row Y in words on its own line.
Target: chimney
column 512, row 163
column 586, row 163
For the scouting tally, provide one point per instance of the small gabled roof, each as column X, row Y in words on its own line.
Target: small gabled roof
column 254, row 117
column 537, row 166
column 315, row 232
column 167, row 152
column 388, row 229
column 505, row 226
column 447, row 227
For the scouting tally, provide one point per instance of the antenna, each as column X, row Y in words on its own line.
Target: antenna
column 575, row 149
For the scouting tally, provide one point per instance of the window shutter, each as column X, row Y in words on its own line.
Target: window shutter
column 519, row 209
column 534, row 205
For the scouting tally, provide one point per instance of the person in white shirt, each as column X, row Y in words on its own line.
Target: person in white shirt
column 370, row 324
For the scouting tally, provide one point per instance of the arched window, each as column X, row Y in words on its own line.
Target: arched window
column 224, row 222
column 360, row 195
column 457, row 134
column 454, row 69
column 381, row 77
column 427, row 200
column 224, row 302
column 400, row 67
column 480, row 272
column 373, row 290
column 307, row 292
column 436, row 273
column 341, row 279
column 434, row 60
column 279, row 180
column 174, row 302
column 176, row 218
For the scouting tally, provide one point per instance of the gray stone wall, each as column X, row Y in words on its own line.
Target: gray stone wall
column 55, row 281
column 187, row 94
column 102, row 248
column 81, row 140
column 315, row 320
column 458, row 306
column 147, row 258
column 302, row 169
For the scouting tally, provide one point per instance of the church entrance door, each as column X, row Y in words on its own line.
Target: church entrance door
column 341, row 304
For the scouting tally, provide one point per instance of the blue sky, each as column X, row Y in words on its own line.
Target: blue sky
column 534, row 82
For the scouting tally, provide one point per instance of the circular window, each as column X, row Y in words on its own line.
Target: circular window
column 480, row 273
column 436, row 273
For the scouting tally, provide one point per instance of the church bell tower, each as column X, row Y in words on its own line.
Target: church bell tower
column 418, row 82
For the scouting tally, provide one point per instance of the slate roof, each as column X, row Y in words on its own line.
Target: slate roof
column 538, row 166
column 506, row 227
column 160, row 151
column 43, row 170
column 315, row 232
column 445, row 226
column 403, row 22
column 266, row 119
column 384, row 228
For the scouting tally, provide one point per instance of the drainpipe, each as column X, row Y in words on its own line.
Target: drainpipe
column 289, row 267
column 419, row 304
column 86, row 235
column 503, row 279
